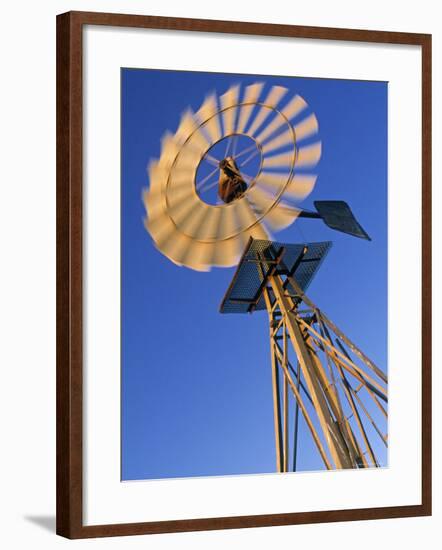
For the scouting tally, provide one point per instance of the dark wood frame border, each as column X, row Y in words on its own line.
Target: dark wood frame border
column 69, row 273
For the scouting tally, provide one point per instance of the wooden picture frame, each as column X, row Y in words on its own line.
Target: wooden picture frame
column 70, row 157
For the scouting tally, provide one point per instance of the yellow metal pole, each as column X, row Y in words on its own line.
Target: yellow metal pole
column 276, row 408
column 300, row 402
column 308, row 420
column 332, row 434
column 275, row 350
column 331, row 396
column 285, row 403
column 275, row 383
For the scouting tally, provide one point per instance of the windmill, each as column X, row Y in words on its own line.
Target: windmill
column 233, row 173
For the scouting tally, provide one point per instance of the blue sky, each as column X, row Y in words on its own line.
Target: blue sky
column 192, row 405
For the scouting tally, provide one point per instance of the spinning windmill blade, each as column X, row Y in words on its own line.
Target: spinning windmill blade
column 189, row 229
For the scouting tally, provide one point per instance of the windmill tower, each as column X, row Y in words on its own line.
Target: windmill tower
column 233, row 173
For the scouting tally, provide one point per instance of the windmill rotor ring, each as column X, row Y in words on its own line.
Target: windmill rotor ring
column 193, row 232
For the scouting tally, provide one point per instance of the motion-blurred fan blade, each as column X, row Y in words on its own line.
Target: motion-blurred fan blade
column 181, row 182
column 161, row 229
column 273, row 181
column 218, row 226
column 199, row 256
column 290, row 209
column 186, row 127
column 301, row 186
column 188, row 138
column 181, row 211
column 251, row 96
column 277, row 122
column 208, row 116
column 275, row 95
column 283, row 160
column 181, row 190
column 199, row 253
column 260, row 201
column 302, row 130
column 175, row 248
column 306, row 127
column 258, row 231
column 227, row 224
column 187, row 161
column 229, row 102
column 244, row 213
column 284, row 139
column 169, row 150
column 227, row 245
column 197, row 226
column 265, row 204
column 209, row 230
column 209, row 249
column 298, row 187
column 309, row 155
column 153, row 197
column 271, row 101
column 189, row 215
column 197, row 143
column 280, row 216
column 293, row 108
column 226, row 252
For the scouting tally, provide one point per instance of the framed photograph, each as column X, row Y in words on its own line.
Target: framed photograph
column 243, row 274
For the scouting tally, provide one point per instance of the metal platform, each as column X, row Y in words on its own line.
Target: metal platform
column 262, row 259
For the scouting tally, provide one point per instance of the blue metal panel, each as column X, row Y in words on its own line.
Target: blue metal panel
column 304, row 258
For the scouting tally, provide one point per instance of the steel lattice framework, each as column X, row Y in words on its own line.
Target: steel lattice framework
column 334, row 385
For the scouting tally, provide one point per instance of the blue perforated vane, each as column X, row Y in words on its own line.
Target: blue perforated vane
column 338, row 215
column 300, row 260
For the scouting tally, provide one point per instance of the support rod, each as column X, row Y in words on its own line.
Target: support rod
column 339, row 333
column 299, row 401
column 332, row 434
column 277, row 412
column 347, row 391
column 285, row 404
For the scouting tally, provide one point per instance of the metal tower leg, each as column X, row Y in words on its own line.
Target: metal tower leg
column 331, row 432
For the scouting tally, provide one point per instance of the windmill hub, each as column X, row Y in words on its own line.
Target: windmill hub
column 231, row 184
